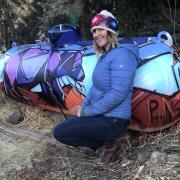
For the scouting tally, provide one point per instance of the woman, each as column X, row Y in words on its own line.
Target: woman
column 105, row 112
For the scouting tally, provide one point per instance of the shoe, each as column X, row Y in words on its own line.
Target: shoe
column 109, row 151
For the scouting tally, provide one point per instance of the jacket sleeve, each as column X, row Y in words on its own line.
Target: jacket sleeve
column 122, row 68
column 87, row 99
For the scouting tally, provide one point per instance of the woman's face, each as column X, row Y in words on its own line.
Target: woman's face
column 100, row 37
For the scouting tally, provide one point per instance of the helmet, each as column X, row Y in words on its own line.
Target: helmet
column 105, row 20
column 64, row 34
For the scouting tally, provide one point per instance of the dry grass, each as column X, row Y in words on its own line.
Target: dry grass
column 60, row 162
column 39, row 120
column 34, row 118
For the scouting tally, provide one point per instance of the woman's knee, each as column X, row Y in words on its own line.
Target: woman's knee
column 57, row 132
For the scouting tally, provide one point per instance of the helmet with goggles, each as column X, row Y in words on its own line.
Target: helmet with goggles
column 105, row 20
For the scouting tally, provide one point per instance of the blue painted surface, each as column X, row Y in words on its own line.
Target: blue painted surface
column 156, row 72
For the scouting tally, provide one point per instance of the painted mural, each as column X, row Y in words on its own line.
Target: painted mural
column 56, row 75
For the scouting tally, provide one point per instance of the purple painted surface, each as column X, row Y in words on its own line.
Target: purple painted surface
column 11, row 68
column 78, row 56
column 31, row 52
column 31, row 66
column 53, row 61
column 77, row 60
column 81, row 73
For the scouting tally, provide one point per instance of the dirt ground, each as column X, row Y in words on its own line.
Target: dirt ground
column 28, row 152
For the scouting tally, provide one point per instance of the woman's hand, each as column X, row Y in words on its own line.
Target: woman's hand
column 72, row 112
column 79, row 112
column 75, row 110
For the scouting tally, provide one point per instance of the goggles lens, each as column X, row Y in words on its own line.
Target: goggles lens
column 98, row 19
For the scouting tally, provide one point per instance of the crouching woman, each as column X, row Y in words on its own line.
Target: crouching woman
column 105, row 112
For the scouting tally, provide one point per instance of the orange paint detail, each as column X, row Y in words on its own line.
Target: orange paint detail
column 49, row 107
column 153, row 112
column 12, row 94
column 72, row 98
column 30, row 97
column 1, row 87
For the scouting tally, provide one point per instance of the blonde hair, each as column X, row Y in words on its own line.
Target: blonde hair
column 111, row 39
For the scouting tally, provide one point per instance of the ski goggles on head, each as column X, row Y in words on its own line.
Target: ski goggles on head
column 100, row 21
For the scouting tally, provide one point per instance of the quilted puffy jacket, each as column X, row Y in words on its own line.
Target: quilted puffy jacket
column 111, row 92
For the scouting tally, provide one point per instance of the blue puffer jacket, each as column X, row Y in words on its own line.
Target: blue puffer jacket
column 112, row 79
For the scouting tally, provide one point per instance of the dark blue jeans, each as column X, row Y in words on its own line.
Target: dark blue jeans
column 90, row 132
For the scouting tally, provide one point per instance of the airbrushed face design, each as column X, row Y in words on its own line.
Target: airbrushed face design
column 42, row 71
column 68, row 72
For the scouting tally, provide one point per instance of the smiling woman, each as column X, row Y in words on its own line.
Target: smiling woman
column 104, row 30
column 105, row 112
column 100, row 38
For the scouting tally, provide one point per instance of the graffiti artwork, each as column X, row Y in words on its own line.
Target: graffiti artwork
column 56, row 75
